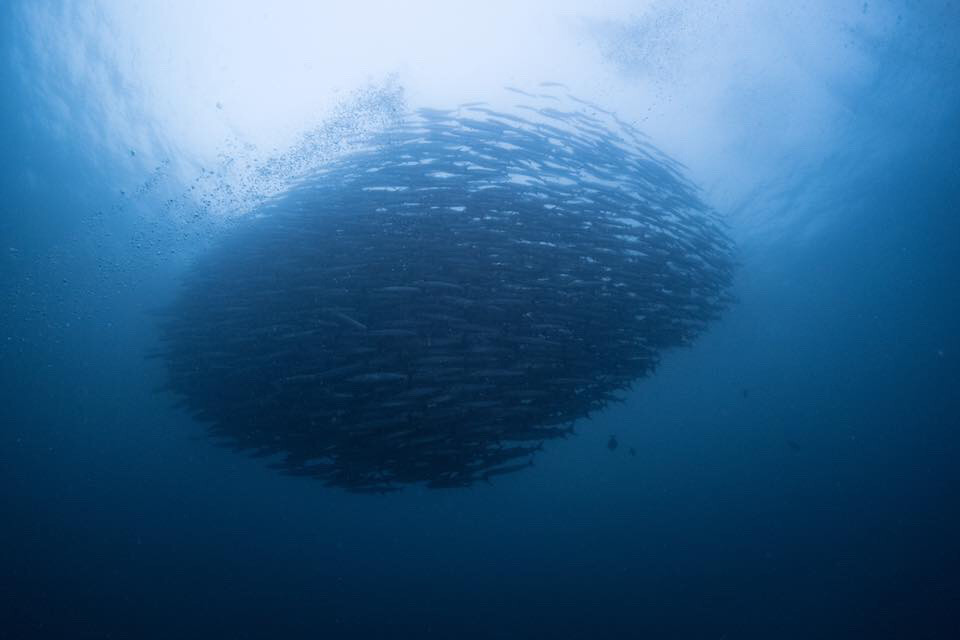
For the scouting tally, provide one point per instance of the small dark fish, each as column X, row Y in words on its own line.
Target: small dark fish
column 745, row 393
column 793, row 444
column 612, row 443
column 633, row 451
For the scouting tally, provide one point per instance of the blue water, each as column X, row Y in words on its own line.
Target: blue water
column 796, row 471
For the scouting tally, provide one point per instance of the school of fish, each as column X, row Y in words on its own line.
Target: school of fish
column 433, row 307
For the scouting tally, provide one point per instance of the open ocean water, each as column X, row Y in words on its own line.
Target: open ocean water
column 792, row 473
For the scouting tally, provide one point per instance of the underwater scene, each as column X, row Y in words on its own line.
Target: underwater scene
column 616, row 319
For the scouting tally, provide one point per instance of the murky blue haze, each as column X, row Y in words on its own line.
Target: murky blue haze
column 795, row 472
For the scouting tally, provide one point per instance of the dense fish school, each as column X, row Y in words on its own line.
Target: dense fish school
column 433, row 307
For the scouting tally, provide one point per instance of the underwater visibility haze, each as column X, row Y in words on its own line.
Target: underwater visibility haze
column 493, row 320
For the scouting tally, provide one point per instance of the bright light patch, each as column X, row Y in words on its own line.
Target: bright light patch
column 232, row 87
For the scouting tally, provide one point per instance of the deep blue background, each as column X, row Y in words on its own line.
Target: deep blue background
column 795, row 474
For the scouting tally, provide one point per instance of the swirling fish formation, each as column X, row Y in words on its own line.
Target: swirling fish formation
column 435, row 306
